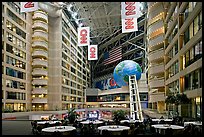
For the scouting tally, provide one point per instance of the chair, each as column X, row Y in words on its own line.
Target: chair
column 169, row 131
column 105, row 132
column 39, row 130
column 46, row 125
column 57, row 133
column 73, row 133
column 57, row 124
column 124, row 132
column 126, row 123
column 162, row 122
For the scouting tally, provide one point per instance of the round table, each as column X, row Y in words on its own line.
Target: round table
column 58, row 128
column 130, row 121
column 113, row 128
column 157, row 120
column 162, row 127
column 197, row 123
column 50, row 122
column 165, row 126
column 89, row 121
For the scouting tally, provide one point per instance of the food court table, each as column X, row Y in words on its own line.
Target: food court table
column 197, row 123
column 163, row 127
column 89, row 121
column 113, row 128
column 50, row 122
column 130, row 121
column 158, row 120
column 58, row 129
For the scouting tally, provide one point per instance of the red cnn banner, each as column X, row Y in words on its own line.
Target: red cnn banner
column 29, row 6
column 129, row 14
column 83, row 36
column 92, row 52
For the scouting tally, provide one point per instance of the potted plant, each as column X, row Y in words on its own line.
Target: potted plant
column 72, row 115
column 119, row 115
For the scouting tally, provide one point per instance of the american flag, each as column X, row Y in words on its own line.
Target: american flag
column 114, row 55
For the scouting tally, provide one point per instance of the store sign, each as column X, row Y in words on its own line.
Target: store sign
column 107, row 84
column 92, row 52
column 83, row 36
column 129, row 13
column 29, row 6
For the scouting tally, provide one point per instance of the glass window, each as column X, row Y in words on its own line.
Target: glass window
column 195, row 79
column 186, row 36
column 187, row 58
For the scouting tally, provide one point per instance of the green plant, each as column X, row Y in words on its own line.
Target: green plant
column 119, row 115
column 72, row 115
column 177, row 99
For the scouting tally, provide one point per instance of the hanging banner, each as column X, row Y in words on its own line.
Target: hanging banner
column 129, row 14
column 83, row 36
column 92, row 52
column 29, row 6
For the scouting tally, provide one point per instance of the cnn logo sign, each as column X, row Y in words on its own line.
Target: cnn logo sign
column 92, row 52
column 83, row 36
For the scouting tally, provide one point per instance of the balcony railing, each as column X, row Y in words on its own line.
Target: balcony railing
column 40, row 82
column 154, row 83
column 39, row 91
column 39, row 15
column 40, row 25
column 157, row 54
column 40, row 62
column 40, row 44
column 156, row 69
column 40, row 53
column 40, row 33
column 39, row 100
column 39, row 72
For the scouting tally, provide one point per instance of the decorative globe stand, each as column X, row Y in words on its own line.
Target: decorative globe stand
column 135, row 105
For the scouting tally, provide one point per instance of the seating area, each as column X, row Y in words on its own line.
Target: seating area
column 149, row 126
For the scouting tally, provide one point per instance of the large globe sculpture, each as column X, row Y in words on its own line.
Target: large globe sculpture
column 124, row 69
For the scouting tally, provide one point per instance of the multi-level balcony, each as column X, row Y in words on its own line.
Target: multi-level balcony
column 39, row 100
column 39, row 91
column 40, row 34
column 155, row 97
column 40, row 44
column 155, row 83
column 40, row 63
column 39, row 15
column 154, row 70
column 39, row 72
column 40, row 25
column 40, row 53
column 156, row 55
column 38, row 81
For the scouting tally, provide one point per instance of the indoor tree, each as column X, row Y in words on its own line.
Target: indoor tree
column 72, row 115
column 177, row 99
column 119, row 115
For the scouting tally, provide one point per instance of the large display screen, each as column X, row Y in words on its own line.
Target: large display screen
column 106, row 84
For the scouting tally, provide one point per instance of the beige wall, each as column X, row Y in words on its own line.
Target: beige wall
column 54, row 63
